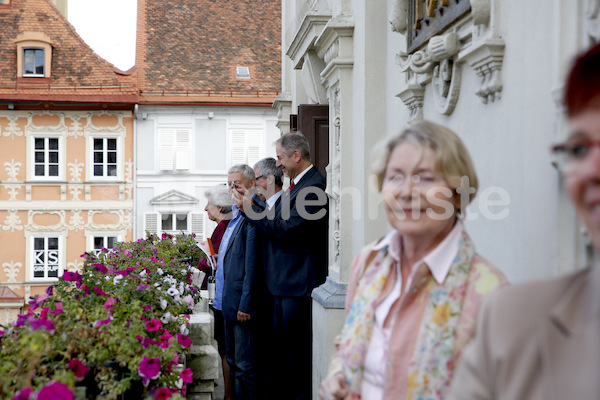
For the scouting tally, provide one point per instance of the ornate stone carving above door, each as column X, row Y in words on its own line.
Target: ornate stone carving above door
column 443, row 35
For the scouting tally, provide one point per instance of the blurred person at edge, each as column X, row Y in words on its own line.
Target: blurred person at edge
column 218, row 208
column 240, row 295
column 541, row 340
column 413, row 295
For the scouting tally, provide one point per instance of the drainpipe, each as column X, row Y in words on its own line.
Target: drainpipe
column 134, row 192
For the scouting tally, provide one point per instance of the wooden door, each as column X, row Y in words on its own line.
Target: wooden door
column 313, row 122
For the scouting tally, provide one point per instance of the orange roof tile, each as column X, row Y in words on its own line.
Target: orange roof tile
column 190, row 49
column 76, row 69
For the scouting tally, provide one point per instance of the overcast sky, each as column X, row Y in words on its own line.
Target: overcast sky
column 108, row 27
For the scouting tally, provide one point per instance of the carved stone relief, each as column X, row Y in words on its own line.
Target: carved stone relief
column 592, row 14
column 470, row 39
column 76, row 128
column 75, row 266
column 76, row 222
column 13, row 191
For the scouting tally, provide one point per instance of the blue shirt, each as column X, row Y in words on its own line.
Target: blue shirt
column 220, row 277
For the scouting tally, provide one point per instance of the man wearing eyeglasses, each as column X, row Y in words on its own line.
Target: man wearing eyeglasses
column 269, row 178
column 541, row 340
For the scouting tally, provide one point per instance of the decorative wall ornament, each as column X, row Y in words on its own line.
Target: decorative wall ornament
column 12, row 168
column 60, row 127
column 75, row 192
column 33, row 227
column 12, row 222
column 91, row 128
column 592, row 14
column 76, row 128
column 13, row 127
column 13, row 191
column 76, row 222
column 12, row 270
column 129, row 171
column 75, row 266
column 470, row 38
column 75, row 169
column 118, row 226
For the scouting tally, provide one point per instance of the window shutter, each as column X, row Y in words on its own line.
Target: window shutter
column 182, row 160
column 238, row 146
column 198, row 226
column 151, row 222
column 254, row 143
column 167, row 140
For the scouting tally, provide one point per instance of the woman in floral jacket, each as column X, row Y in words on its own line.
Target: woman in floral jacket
column 413, row 296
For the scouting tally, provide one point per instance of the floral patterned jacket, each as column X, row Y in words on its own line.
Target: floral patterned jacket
column 434, row 322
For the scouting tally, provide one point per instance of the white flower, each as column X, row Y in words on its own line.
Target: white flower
column 160, row 271
column 166, row 318
column 173, row 291
column 117, row 279
column 184, row 330
column 181, row 288
column 194, row 270
column 143, row 274
column 183, row 272
column 163, row 303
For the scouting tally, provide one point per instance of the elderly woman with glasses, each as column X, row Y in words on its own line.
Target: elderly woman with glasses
column 541, row 340
column 413, row 296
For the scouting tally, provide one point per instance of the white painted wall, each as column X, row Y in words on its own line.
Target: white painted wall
column 210, row 149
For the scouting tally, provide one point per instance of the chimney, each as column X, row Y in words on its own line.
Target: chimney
column 63, row 6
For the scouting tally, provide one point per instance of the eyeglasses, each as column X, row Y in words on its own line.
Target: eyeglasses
column 259, row 176
column 424, row 179
column 571, row 153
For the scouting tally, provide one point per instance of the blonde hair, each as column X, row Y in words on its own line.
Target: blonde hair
column 452, row 158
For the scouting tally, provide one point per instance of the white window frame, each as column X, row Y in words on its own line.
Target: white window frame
column 34, row 75
column 91, row 163
column 174, row 147
column 242, row 73
column 105, row 236
column 59, row 256
column 174, row 222
column 196, row 223
column 61, row 156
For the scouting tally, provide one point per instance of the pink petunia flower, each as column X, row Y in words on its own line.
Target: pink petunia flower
column 141, row 287
column 162, row 394
column 109, row 303
column 150, row 367
column 103, row 322
column 99, row 291
column 79, row 368
column 24, row 394
column 184, row 341
column 70, row 276
column 187, row 376
column 59, row 308
column 55, row 390
column 153, row 325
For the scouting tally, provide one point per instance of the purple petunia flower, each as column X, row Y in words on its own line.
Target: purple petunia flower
column 79, row 368
column 99, row 291
column 24, row 394
column 141, row 287
column 103, row 322
column 184, row 341
column 55, row 390
column 187, row 376
column 100, row 268
column 70, row 276
column 42, row 324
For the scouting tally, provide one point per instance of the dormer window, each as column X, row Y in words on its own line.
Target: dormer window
column 34, row 55
column 33, row 62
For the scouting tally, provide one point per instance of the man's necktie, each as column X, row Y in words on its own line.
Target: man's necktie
column 291, row 185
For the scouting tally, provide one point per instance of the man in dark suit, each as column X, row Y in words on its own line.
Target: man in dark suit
column 296, row 261
column 239, row 292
